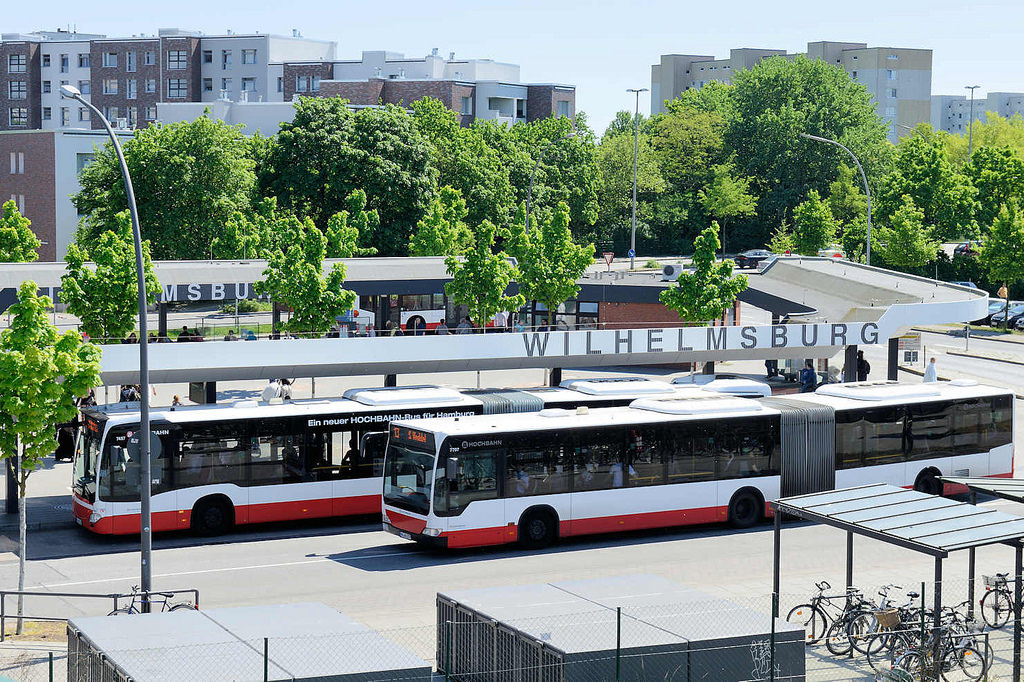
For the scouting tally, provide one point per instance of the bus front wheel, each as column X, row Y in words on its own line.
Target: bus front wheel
column 212, row 516
column 745, row 509
column 537, row 529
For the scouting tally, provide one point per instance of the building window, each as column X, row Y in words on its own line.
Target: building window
column 151, row 113
column 248, row 85
column 133, row 116
column 891, row 92
column 207, row 56
column 110, row 59
column 47, row 113
column 150, row 85
column 225, row 59
column 16, row 63
column 314, row 83
column 280, row 83
column 131, row 89
column 890, row 112
column 109, row 86
column 467, row 106
column 893, row 57
column 301, row 84
column 17, row 163
column 83, row 114
column 82, row 160
column 129, row 61
column 563, row 108
column 65, row 116
column 83, row 60
column 19, row 199
column 64, row 63
column 854, row 74
column 46, row 87
column 249, row 56
column 46, row 60
column 17, row 89
column 149, row 58
column 207, row 85
column 177, row 88
column 226, row 85
column 110, row 113
column 84, row 87
column 890, row 74
column 177, row 59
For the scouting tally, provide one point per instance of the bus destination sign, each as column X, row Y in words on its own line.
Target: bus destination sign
column 421, row 440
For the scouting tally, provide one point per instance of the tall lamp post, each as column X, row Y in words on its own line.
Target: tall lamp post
column 529, row 194
column 867, row 190
column 636, row 156
column 145, row 531
column 970, row 120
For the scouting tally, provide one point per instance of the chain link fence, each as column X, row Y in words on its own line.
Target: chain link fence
column 715, row 640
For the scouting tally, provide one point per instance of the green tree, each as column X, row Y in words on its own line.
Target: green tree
column 295, row 277
column 781, row 241
column 18, row 243
column 327, row 151
column 998, row 176
column 615, row 198
column 346, row 229
column 623, row 124
column 995, row 132
column 443, row 231
column 189, row 178
column 1001, row 253
column 247, row 235
column 727, row 196
column 922, row 171
column 813, row 225
column 479, row 280
column 104, row 297
column 42, row 372
column 846, row 197
column 464, row 160
column 550, row 262
column 778, row 99
column 908, row 243
column 707, row 292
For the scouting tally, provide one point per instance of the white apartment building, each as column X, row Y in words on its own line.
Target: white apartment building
column 952, row 113
column 898, row 79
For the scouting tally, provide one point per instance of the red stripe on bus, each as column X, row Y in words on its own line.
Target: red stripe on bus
column 409, row 524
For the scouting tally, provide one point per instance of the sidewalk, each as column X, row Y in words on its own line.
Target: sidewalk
column 48, row 512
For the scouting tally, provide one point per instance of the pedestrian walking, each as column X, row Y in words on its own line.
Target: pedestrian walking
column 771, row 368
column 442, row 328
column 808, row 378
column 863, row 367
column 930, row 373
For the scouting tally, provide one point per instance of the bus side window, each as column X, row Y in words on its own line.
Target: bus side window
column 476, row 479
column 599, row 461
column 646, row 449
column 371, row 454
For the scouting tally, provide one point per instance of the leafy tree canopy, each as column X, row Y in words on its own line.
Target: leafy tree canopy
column 479, row 280
column 908, row 242
column 104, row 294
column 189, row 178
column 615, row 198
column 346, row 229
column 18, row 243
column 727, row 196
column 813, row 225
column 998, row 176
column 1001, row 252
column 711, row 288
column 443, row 231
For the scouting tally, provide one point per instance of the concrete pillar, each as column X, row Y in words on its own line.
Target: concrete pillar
column 390, row 380
column 709, row 367
column 203, row 392
column 894, row 360
column 850, row 364
column 555, row 377
column 161, row 310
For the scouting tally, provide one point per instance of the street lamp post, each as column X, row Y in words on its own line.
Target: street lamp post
column 529, row 194
column 970, row 120
column 145, row 530
column 867, row 190
column 636, row 156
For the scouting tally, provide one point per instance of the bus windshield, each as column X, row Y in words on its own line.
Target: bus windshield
column 87, row 454
column 407, row 478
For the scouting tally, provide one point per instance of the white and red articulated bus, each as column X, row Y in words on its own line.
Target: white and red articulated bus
column 693, row 458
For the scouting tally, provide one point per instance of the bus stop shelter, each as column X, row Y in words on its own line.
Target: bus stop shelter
column 924, row 523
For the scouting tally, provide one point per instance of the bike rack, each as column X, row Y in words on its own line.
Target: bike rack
column 115, row 597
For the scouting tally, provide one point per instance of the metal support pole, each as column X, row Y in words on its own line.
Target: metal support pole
column 776, row 561
column 636, row 158
column 1017, row 598
column 555, row 378
column 448, row 651
column 971, row 569
column 894, row 360
column 618, row 643
column 849, row 561
column 11, row 504
column 266, row 659
column 771, row 654
column 937, row 598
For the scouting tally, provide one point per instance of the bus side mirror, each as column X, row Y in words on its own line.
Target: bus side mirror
column 451, row 468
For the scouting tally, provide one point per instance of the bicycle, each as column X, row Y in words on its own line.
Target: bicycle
column 161, row 598
column 863, row 627
column 953, row 658
column 901, row 632
column 997, row 604
column 816, row 616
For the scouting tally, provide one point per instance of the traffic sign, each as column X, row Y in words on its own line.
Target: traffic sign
column 631, row 253
column 608, row 256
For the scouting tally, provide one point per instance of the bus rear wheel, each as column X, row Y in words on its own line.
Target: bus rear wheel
column 212, row 517
column 537, row 529
column 745, row 509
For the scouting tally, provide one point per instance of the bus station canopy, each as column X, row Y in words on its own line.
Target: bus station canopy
column 907, row 518
column 1011, row 489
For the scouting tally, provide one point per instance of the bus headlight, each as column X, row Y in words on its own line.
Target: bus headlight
column 95, row 517
column 432, row 532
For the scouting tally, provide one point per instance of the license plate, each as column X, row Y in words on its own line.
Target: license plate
column 78, row 520
column 405, row 536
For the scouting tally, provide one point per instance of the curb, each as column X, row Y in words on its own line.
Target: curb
column 12, row 527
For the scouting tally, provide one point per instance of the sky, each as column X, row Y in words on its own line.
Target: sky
column 602, row 48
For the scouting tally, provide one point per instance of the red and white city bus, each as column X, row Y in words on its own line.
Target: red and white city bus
column 214, row 466
column 694, row 458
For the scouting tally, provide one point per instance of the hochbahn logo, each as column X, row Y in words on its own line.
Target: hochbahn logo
column 543, row 344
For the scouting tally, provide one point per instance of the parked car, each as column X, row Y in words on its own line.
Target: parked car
column 969, row 248
column 833, row 251
column 750, row 259
column 1014, row 314
column 994, row 306
column 969, row 285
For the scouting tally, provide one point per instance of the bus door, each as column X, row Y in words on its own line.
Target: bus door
column 123, row 463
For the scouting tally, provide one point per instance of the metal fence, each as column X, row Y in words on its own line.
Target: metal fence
column 678, row 641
